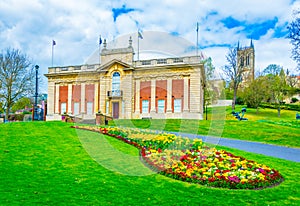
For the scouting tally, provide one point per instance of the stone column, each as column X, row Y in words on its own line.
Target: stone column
column 83, row 98
column 51, row 98
column 186, row 94
column 137, row 96
column 195, row 91
column 69, row 99
column 102, row 95
column 127, row 87
column 169, row 96
column 96, row 106
column 57, row 99
column 153, row 88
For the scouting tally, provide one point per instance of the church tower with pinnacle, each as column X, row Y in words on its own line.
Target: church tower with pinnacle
column 246, row 61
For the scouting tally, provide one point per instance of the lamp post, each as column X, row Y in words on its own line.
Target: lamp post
column 36, row 92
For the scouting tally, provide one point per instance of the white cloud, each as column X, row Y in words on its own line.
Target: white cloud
column 275, row 51
column 76, row 25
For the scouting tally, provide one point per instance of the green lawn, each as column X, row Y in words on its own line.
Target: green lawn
column 264, row 126
column 49, row 163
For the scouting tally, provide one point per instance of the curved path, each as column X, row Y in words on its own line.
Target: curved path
column 287, row 153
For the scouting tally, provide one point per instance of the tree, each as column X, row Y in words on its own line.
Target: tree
column 1, row 107
column 16, row 77
column 209, row 73
column 255, row 93
column 209, row 94
column 277, row 88
column 294, row 36
column 291, row 79
column 21, row 104
column 272, row 69
column 233, row 71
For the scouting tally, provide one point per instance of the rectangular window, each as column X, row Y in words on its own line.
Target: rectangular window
column 107, row 107
column 161, row 61
column 178, row 60
column 63, row 108
column 89, row 108
column 76, row 108
column 146, row 62
column 145, row 106
column 177, row 105
column 161, row 106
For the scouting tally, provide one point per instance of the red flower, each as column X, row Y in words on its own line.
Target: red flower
column 211, row 179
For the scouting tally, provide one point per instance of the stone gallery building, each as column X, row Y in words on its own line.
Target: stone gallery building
column 123, row 88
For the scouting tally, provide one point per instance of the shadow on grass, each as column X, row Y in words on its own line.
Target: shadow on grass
column 104, row 151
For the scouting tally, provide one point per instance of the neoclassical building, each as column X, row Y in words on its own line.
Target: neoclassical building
column 126, row 89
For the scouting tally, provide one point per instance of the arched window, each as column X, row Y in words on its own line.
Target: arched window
column 248, row 60
column 242, row 61
column 116, row 84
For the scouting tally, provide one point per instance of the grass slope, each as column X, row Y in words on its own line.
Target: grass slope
column 264, row 126
column 48, row 163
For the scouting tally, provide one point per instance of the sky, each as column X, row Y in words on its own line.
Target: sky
column 168, row 28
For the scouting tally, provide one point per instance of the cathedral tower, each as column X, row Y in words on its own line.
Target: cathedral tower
column 246, row 60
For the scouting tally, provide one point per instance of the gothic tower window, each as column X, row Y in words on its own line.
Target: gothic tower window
column 248, row 60
column 242, row 61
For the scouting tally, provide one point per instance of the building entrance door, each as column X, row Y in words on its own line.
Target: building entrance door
column 115, row 110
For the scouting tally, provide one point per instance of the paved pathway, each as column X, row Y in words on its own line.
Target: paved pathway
column 287, row 153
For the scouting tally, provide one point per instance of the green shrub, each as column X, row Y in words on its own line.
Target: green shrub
column 295, row 107
column 294, row 99
column 27, row 112
column 239, row 101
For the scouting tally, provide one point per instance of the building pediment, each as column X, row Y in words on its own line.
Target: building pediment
column 115, row 63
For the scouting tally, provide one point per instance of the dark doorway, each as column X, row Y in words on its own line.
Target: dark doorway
column 115, row 110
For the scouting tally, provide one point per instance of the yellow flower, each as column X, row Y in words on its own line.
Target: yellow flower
column 261, row 176
column 189, row 172
column 217, row 174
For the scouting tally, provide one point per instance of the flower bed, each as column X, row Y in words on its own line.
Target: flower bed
column 189, row 160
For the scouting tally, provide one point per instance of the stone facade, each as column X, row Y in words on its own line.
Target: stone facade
column 123, row 88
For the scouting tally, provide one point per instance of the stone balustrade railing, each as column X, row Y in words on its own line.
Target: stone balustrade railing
column 140, row 63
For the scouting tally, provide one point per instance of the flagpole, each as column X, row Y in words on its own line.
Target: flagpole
column 100, row 42
column 52, row 52
column 138, row 54
column 53, row 44
column 197, row 39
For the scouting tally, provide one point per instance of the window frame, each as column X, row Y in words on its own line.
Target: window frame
column 161, row 106
column 144, row 106
column 176, row 107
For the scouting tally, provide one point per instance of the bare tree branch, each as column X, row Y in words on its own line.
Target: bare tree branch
column 16, row 77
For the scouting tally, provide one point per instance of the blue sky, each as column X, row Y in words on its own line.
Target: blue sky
column 75, row 25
